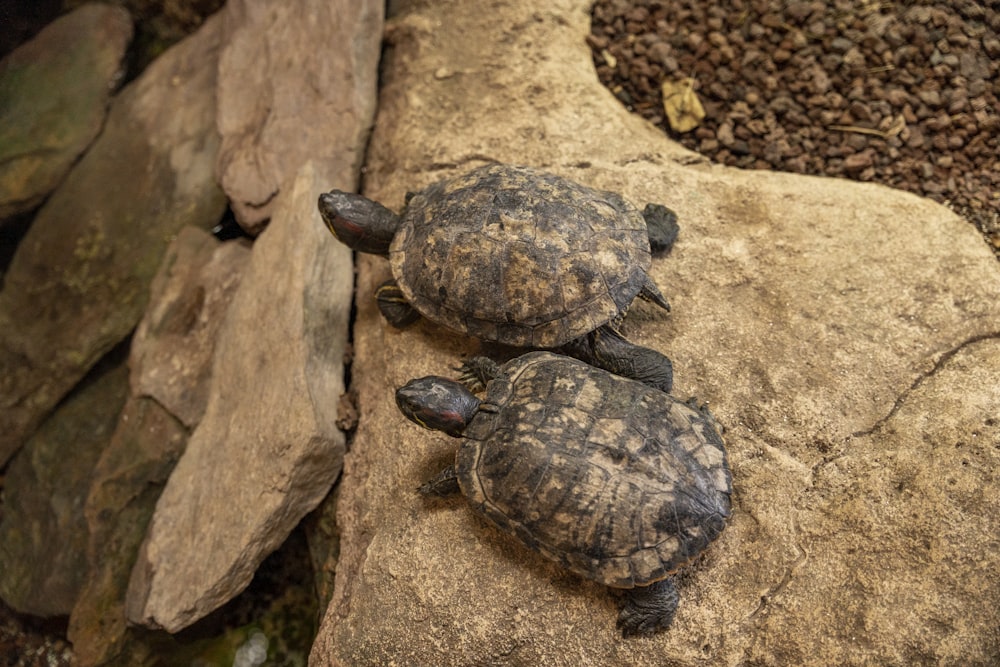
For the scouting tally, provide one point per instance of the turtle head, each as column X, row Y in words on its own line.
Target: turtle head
column 437, row 403
column 359, row 223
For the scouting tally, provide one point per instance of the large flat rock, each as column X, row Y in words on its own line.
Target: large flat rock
column 267, row 449
column 296, row 82
column 173, row 345
column 79, row 281
column 170, row 371
column 54, row 93
column 847, row 336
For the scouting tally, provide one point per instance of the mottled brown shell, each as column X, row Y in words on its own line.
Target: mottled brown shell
column 618, row 482
column 519, row 256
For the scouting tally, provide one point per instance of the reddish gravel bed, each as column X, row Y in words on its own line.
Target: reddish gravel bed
column 904, row 94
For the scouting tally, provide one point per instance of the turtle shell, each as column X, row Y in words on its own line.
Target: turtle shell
column 616, row 481
column 519, row 256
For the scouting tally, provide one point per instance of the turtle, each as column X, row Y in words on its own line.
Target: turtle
column 614, row 480
column 517, row 256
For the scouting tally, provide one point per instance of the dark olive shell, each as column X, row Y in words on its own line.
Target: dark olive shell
column 519, row 256
column 616, row 481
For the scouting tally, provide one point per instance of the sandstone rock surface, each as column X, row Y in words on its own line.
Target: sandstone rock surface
column 846, row 335
column 54, row 93
column 170, row 362
column 79, row 281
column 296, row 82
column 268, row 449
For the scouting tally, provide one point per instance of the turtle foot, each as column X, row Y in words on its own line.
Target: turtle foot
column 444, row 484
column 661, row 224
column 648, row 609
column 394, row 307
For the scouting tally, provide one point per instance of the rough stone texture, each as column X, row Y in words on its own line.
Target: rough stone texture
column 79, row 281
column 127, row 480
column 267, row 450
column 845, row 334
column 897, row 535
column 43, row 534
column 54, row 93
column 170, row 373
column 173, row 344
column 296, row 82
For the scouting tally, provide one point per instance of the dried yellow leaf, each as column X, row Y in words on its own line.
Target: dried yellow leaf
column 681, row 104
column 898, row 125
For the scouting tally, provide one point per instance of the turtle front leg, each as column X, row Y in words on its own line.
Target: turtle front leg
column 605, row 348
column 648, row 609
column 477, row 371
column 444, row 484
column 395, row 308
column 662, row 227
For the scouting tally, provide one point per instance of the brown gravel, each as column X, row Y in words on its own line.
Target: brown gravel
column 904, row 94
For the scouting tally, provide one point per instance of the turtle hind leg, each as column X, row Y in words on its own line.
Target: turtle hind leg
column 648, row 609
column 662, row 227
column 396, row 310
column 605, row 348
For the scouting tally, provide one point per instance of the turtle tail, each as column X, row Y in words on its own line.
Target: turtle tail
column 650, row 292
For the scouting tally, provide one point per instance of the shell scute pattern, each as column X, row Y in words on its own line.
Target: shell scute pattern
column 519, row 256
column 617, row 481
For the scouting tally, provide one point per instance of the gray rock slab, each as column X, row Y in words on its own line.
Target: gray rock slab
column 79, row 281
column 43, row 534
column 54, row 93
column 845, row 334
column 173, row 345
column 267, row 450
column 170, row 362
column 296, row 82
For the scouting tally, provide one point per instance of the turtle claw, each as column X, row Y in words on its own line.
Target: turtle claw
column 468, row 377
column 393, row 305
column 633, row 625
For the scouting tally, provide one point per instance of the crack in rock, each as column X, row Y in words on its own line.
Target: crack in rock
column 786, row 578
column 945, row 357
